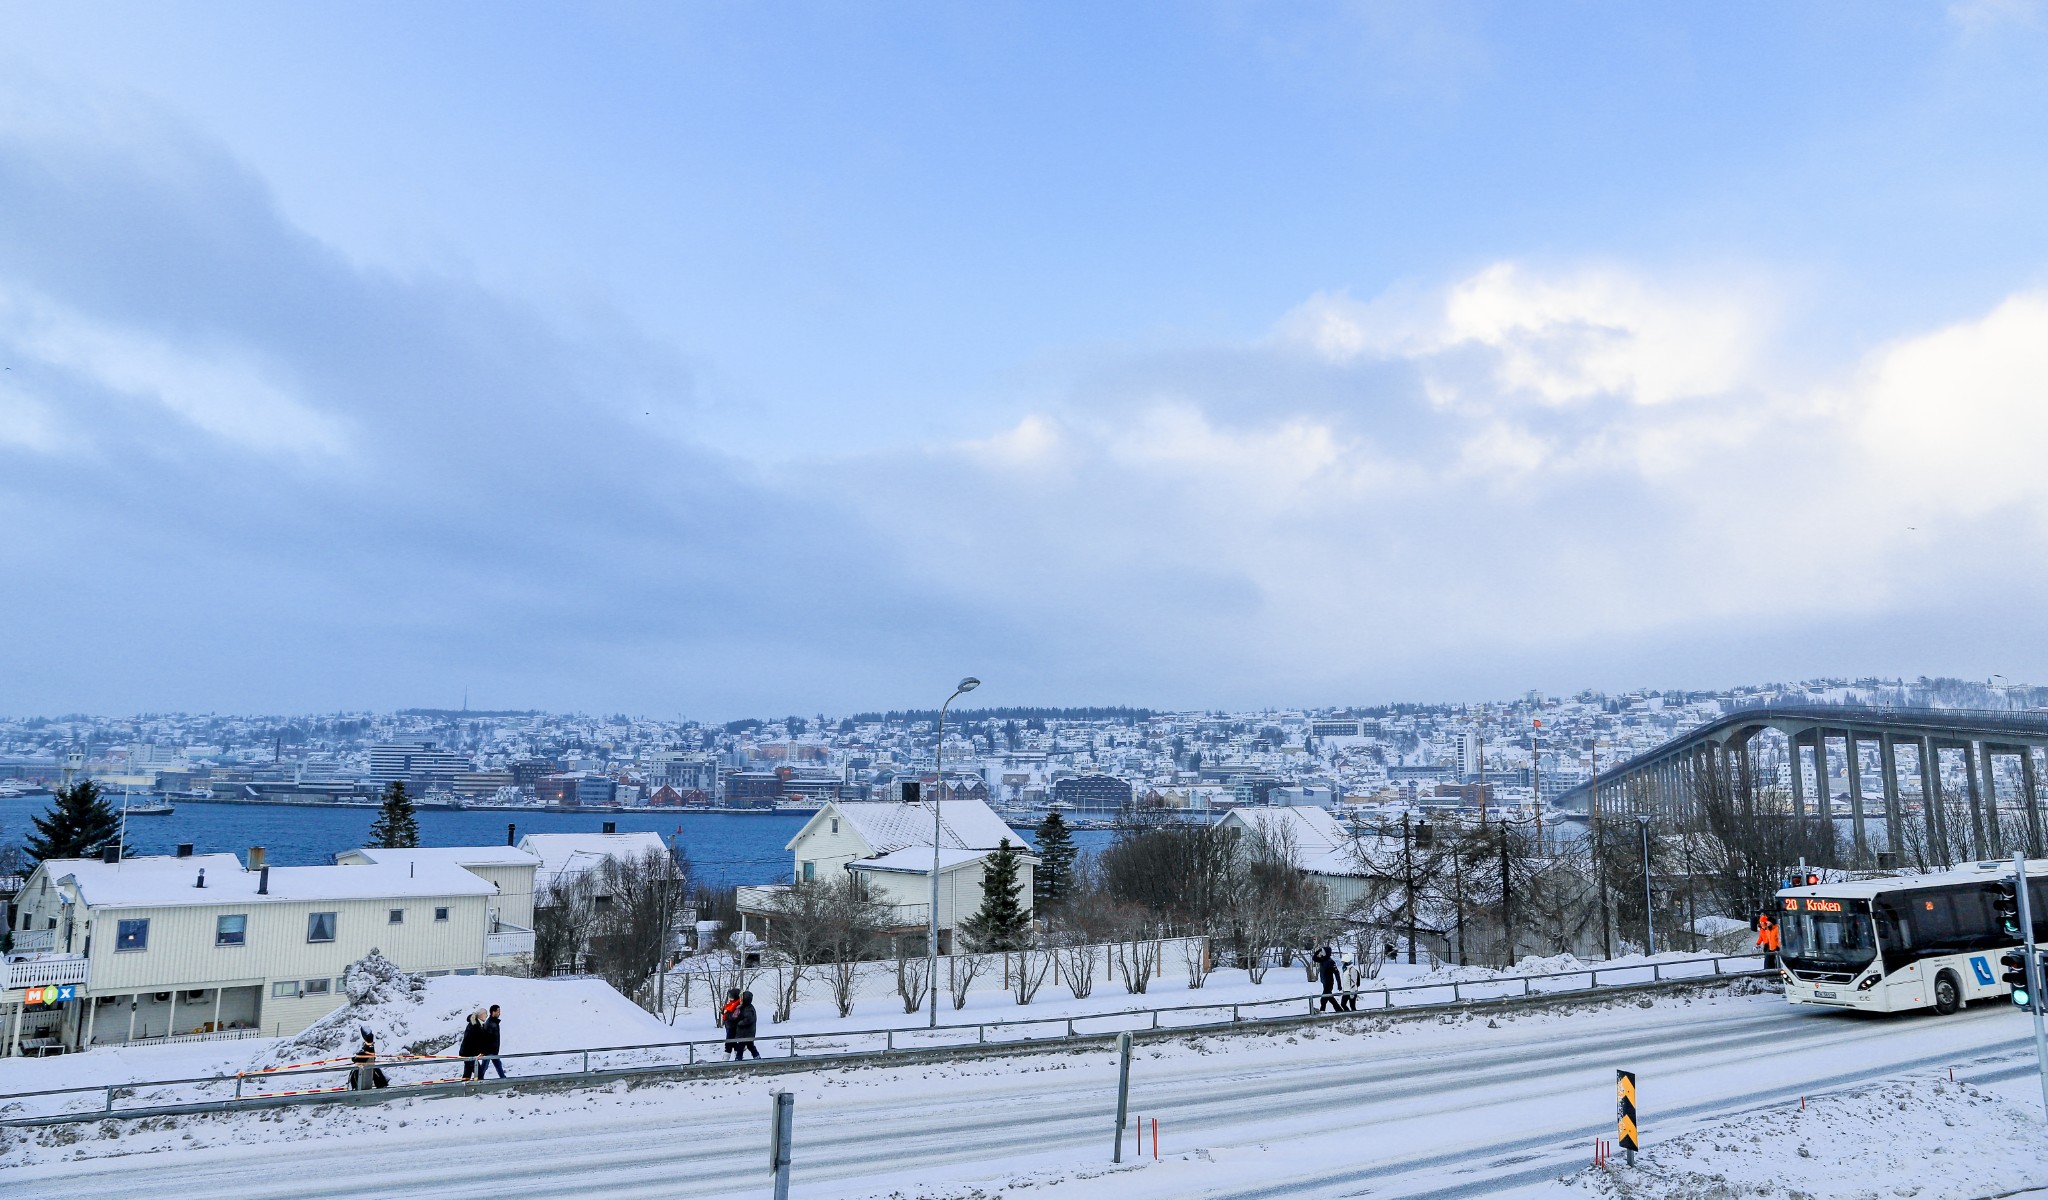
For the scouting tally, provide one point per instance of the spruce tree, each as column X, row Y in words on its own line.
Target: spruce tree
column 79, row 822
column 1056, row 851
column 1002, row 923
column 395, row 828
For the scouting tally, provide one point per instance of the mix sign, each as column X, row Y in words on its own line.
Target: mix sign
column 55, row 994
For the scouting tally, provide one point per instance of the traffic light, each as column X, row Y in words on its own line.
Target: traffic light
column 2015, row 973
column 2008, row 904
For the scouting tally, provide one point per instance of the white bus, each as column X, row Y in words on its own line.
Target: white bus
column 1898, row 943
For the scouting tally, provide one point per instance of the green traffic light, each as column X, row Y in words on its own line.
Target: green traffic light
column 2020, row 998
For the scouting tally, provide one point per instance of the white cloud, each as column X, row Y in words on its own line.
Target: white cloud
column 222, row 390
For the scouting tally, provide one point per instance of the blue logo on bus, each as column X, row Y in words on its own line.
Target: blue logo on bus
column 1982, row 968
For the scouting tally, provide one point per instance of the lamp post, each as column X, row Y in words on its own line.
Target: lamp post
column 939, row 767
column 1649, row 921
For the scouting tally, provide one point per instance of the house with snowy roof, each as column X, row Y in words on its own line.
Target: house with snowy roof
column 887, row 845
column 196, row 945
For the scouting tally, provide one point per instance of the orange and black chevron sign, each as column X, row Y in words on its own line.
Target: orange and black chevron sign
column 1625, row 1109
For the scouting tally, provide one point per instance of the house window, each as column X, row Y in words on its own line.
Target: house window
column 440, row 914
column 317, row 987
column 320, row 927
column 810, row 871
column 231, row 930
column 132, row 935
column 835, row 824
column 602, row 903
column 395, row 917
column 285, row 989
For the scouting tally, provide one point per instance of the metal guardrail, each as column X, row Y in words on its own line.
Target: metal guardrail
column 257, row 1089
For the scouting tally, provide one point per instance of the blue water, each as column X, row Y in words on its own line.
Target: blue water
column 722, row 847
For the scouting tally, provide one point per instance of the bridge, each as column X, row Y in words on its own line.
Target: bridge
column 1719, row 758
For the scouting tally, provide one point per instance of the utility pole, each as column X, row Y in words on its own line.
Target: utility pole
column 1408, row 860
column 1123, row 1092
column 1600, row 858
column 1482, row 764
column 1649, row 899
column 1536, row 779
column 782, row 1125
column 1507, row 896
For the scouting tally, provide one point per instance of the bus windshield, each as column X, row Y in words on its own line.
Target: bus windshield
column 1833, row 936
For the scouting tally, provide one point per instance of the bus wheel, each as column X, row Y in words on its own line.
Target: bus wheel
column 1948, row 994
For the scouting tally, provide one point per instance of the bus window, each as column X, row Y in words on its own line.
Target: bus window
column 1895, row 931
column 1829, row 941
column 2037, row 899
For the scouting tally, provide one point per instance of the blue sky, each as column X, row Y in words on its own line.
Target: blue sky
column 718, row 359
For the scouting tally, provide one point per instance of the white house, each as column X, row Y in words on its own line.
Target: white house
column 568, row 855
column 172, row 946
column 508, row 868
column 888, row 845
column 1342, row 864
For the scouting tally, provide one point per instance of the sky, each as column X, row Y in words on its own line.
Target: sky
column 712, row 360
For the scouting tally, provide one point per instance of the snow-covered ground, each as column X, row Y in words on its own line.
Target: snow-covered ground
column 1451, row 1104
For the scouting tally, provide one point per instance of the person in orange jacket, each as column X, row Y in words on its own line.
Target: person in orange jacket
column 1767, row 939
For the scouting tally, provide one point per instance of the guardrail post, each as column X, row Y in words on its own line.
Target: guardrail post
column 1234, row 1018
column 1525, row 987
column 1070, row 1027
column 586, row 1062
column 1655, row 975
column 888, row 1039
column 110, row 1101
column 691, row 1060
column 1455, row 997
column 981, row 1035
column 1155, row 1018
column 238, row 1085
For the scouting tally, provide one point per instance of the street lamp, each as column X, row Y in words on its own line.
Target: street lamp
column 1649, row 923
column 939, row 766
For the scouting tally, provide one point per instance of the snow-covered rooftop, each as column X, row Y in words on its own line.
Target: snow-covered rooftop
column 461, row 856
column 161, row 881
column 887, row 826
column 575, row 853
column 917, row 860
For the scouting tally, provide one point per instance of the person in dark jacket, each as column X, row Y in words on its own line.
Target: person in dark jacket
column 744, row 1023
column 488, row 1054
column 1326, row 970
column 472, row 1044
column 728, row 1016
column 364, row 1073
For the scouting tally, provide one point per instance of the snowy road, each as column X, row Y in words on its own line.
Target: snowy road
column 1426, row 1109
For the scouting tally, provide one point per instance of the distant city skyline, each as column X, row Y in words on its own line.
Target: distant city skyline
column 690, row 359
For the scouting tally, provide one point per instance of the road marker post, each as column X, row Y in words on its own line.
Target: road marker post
column 1625, row 1113
column 1123, row 1093
column 781, row 1125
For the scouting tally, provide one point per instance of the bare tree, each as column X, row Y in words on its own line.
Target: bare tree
column 1032, row 965
column 1076, row 956
column 913, row 973
column 564, row 917
column 961, row 972
column 1194, row 953
column 821, row 927
column 637, row 904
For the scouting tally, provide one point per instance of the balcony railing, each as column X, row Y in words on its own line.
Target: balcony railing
column 761, row 901
column 35, row 941
column 46, row 972
column 508, row 940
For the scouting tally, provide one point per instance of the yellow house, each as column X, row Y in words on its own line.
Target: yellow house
column 165, row 946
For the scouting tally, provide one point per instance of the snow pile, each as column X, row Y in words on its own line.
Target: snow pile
column 539, row 1014
column 378, row 994
column 1925, row 1138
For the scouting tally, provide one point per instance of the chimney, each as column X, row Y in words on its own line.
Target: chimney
column 110, row 853
column 263, row 882
column 184, row 849
column 611, row 826
column 511, row 834
column 256, row 858
column 202, row 878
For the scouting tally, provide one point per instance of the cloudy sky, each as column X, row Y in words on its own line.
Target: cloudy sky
column 729, row 359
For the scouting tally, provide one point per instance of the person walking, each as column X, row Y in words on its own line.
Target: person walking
column 743, row 1026
column 1326, row 970
column 472, row 1044
column 729, row 1016
column 1767, row 939
column 489, row 1053
column 1354, row 980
